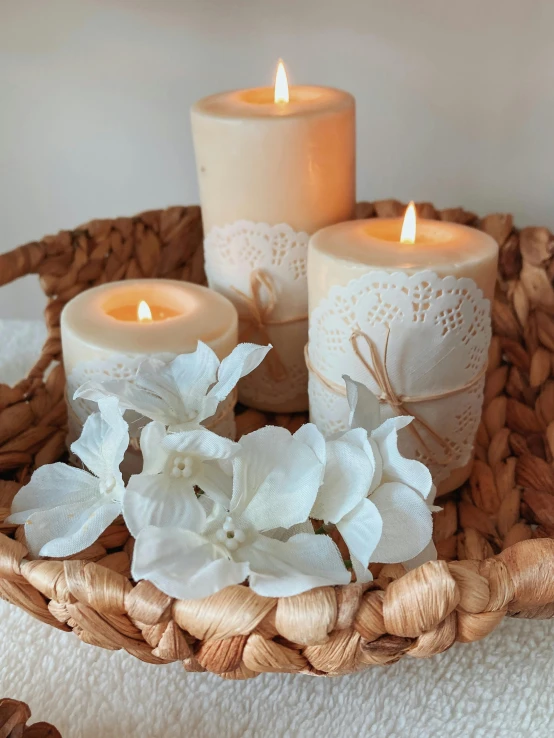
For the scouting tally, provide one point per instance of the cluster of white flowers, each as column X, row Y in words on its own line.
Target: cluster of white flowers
column 208, row 512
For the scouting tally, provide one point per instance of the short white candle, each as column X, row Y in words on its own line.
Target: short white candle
column 108, row 330
column 347, row 293
column 273, row 166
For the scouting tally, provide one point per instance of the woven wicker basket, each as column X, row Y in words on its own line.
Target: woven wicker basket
column 494, row 536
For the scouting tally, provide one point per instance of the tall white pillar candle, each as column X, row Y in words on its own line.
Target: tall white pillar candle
column 270, row 174
column 421, row 310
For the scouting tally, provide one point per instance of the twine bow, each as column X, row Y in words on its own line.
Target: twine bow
column 259, row 318
column 377, row 368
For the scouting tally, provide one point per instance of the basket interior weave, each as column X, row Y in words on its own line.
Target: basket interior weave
column 494, row 536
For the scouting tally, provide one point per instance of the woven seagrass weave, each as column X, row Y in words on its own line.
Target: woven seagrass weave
column 494, row 536
column 14, row 716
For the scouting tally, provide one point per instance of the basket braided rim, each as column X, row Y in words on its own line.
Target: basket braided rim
column 494, row 535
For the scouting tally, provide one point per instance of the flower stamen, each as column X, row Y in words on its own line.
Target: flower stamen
column 182, row 467
column 231, row 536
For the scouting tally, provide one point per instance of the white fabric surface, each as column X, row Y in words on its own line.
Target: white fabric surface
column 499, row 688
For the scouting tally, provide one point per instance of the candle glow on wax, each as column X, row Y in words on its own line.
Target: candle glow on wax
column 144, row 314
column 408, row 233
column 275, row 164
column 351, row 262
column 107, row 332
column 281, row 92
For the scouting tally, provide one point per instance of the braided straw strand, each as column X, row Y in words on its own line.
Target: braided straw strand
column 14, row 716
column 330, row 630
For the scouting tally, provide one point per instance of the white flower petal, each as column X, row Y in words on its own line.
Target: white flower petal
column 195, row 373
column 304, row 562
column 407, row 523
column 130, row 396
column 155, row 381
column 207, row 505
column 215, row 519
column 349, row 475
column 50, row 486
column 312, row 437
column 283, row 534
column 183, row 564
column 201, row 443
column 104, row 440
column 398, row 422
column 429, row 553
column 241, row 361
column 162, row 502
column 94, row 391
column 430, row 499
column 259, row 452
column 153, row 453
column 276, row 478
column 362, row 573
column 396, row 468
column 361, row 530
column 216, row 480
column 364, row 406
column 199, row 409
column 183, row 392
column 65, row 530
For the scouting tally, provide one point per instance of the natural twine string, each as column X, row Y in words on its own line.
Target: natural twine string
column 259, row 317
column 378, row 371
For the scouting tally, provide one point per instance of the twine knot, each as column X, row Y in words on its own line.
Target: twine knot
column 259, row 317
column 376, row 366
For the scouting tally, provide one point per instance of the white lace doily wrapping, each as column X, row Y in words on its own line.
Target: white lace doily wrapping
column 233, row 253
column 439, row 332
column 123, row 366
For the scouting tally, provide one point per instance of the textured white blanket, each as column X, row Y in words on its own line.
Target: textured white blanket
column 499, row 688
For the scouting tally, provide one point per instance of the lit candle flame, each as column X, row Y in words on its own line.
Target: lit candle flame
column 408, row 233
column 144, row 313
column 281, row 94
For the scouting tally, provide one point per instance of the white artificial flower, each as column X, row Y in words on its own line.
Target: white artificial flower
column 380, row 501
column 65, row 509
column 174, row 463
column 352, row 472
column 184, row 392
column 404, row 498
column 254, row 534
column 364, row 413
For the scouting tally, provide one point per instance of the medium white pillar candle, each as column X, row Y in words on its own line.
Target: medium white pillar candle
column 426, row 304
column 270, row 174
column 103, row 337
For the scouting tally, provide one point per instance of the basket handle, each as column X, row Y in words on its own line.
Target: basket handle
column 21, row 261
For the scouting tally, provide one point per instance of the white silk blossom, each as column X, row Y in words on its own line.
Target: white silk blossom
column 208, row 512
column 260, row 533
column 401, row 490
column 65, row 509
column 184, row 392
column 174, row 465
